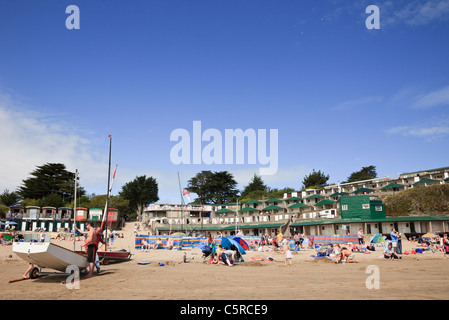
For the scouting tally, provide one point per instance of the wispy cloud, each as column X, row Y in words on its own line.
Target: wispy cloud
column 429, row 131
column 414, row 13
column 357, row 103
column 433, row 99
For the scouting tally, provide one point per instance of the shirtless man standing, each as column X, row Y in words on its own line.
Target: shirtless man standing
column 90, row 246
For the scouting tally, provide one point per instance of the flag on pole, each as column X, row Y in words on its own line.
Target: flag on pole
column 186, row 192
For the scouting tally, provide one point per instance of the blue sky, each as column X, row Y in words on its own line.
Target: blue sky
column 341, row 96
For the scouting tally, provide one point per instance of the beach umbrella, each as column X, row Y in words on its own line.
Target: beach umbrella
column 241, row 242
column 228, row 242
column 6, row 236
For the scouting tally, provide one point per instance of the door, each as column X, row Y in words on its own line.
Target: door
column 412, row 227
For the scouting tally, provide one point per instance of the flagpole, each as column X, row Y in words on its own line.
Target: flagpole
column 182, row 203
column 74, row 215
column 107, row 195
column 236, row 208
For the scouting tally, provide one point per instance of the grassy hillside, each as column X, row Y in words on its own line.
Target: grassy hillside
column 426, row 201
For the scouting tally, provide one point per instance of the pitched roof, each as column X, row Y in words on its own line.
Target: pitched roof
column 315, row 196
column 253, row 201
column 247, row 209
column 325, row 201
column 363, row 190
column 392, row 185
column 295, row 198
column 425, row 180
column 272, row 200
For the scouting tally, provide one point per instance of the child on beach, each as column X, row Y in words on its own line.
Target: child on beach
column 335, row 256
column 288, row 256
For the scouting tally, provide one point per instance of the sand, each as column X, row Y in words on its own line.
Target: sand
column 420, row 276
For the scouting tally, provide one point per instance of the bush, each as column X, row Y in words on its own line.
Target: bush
column 428, row 201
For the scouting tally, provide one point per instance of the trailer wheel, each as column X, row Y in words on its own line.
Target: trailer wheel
column 34, row 273
column 105, row 261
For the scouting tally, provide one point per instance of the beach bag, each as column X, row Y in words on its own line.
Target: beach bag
column 321, row 254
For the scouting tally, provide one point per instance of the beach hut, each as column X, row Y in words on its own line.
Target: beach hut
column 64, row 213
column 32, row 212
column 16, row 212
column 112, row 214
column 95, row 214
column 31, row 215
column 48, row 213
column 81, row 214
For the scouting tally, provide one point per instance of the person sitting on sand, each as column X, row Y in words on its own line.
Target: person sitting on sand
column 347, row 255
column 169, row 244
column 336, row 253
column 145, row 245
column 389, row 253
column 158, row 242
column 330, row 250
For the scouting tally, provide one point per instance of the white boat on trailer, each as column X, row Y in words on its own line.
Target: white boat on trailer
column 49, row 255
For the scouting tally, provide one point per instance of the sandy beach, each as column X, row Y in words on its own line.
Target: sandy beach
column 420, row 276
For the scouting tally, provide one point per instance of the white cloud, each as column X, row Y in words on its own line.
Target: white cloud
column 29, row 139
column 429, row 131
column 433, row 99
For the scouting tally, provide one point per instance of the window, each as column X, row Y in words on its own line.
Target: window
column 344, row 207
column 365, row 206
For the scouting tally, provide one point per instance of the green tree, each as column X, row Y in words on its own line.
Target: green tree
column 50, row 178
column 117, row 202
column 365, row 173
column 213, row 187
column 314, row 179
column 256, row 186
column 52, row 200
column 140, row 192
column 9, row 198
